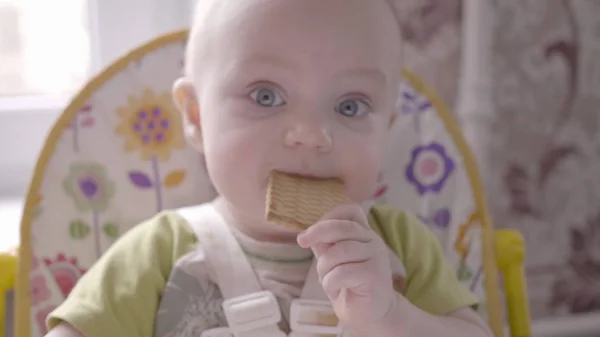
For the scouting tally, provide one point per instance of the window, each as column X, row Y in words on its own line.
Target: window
column 45, row 56
column 44, row 47
column 48, row 50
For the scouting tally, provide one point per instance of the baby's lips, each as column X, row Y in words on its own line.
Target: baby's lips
column 307, row 175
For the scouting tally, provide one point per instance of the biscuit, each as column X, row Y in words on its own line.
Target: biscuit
column 298, row 202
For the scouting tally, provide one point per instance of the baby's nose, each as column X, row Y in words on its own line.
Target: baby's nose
column 310, row 136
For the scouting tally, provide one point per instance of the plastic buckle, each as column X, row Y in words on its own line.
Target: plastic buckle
column 226, row 332
column 250, row 312
column 302, row 334
column 217, row 332
column 311, row 317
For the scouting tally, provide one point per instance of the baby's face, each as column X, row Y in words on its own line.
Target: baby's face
column 300, row 86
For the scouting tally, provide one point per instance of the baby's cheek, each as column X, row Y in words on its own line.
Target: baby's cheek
column 362, row 170
column 234, row 145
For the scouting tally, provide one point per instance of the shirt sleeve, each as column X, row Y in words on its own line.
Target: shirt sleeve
column 120, row 294
column 431, row 282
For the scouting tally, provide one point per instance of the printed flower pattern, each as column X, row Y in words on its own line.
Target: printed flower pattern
column 35, row 262
column 151, row 125
column 82, row 119
column 89, row 187
column 467, row 232
column 412, row 102
column 39, row 290
column 91, row 190
column 465, row 235
column 40, row 318
column 429, row 168
column 65, row 271
column 440, row 219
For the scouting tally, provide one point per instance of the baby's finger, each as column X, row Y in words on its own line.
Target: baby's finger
column 332, row 231
column 320, row 248
column 350, row 212
column 341, row 253
column 351, row 276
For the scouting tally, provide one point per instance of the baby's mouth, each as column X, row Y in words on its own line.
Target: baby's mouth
column 306, row 175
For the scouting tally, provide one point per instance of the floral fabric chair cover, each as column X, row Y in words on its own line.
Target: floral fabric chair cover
column 117, row 156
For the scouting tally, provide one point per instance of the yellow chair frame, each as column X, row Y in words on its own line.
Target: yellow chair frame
column 8, row 274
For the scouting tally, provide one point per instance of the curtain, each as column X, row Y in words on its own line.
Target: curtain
column 523, row 78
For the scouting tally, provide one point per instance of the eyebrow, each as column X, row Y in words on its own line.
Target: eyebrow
column 372, row 74
column 264, row 59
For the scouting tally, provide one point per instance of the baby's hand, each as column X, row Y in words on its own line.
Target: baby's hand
column 353, row 266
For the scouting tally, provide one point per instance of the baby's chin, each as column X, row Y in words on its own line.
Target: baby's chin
column 251, row 221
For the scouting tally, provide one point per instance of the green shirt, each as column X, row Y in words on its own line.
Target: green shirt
column 121, row 293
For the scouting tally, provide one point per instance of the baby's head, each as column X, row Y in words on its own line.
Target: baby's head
column 300, row 86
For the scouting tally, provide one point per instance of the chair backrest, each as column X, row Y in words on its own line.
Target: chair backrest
column 117, row 156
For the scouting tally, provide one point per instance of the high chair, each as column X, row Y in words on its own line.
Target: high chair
column 96, row 178
column 8, row 273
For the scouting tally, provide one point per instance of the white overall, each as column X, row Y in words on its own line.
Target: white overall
column 250, row 311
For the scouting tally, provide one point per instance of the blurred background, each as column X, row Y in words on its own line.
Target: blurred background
column 522, row 78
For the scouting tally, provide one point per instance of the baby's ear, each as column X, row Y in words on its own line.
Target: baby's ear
column 185, row 99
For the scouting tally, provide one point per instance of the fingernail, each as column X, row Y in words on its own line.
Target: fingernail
column 300, row 236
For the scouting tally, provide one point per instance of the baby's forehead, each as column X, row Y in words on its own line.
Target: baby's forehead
column 211, row 11
column 218, row 24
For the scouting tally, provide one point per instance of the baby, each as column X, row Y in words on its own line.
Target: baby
column 305, row 87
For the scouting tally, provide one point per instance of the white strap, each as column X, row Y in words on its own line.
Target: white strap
column 226, row 332
column 313, row 290
column 223, row 252
column 250, row 312
column 312, row 313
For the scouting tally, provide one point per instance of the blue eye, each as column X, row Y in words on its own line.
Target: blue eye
column 352, row 108
column 267, row 97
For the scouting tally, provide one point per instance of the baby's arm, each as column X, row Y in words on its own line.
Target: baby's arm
column 466, row 319
column 433, row 303
column 64, row 330
column 416, row 322
column 119, row 295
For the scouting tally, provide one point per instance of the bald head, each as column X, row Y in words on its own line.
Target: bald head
column 219, row 24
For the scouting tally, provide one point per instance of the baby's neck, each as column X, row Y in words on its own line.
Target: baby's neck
column 257, row 229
